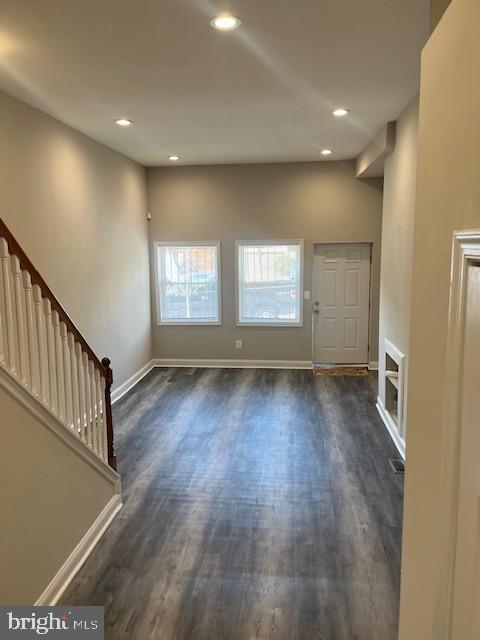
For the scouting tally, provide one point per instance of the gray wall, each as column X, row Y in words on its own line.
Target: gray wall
column 78, row 209
column 397, row 240
column 317, row 202
column 437, row 9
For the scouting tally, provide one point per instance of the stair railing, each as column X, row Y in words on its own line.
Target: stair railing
column 42, row 348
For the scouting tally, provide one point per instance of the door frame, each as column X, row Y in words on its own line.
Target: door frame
column 465, row 252
column 370, row 245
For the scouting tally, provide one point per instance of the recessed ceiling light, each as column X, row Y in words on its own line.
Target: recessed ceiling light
column 174, row 158
column 326, row 152
column 340, row 112
column 123, row 122
column 225, row 22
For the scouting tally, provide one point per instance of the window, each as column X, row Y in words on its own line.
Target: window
column 188, row 282
column 270, row 282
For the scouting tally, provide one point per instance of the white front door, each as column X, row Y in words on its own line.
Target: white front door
column 341, row 303
column 466, row 585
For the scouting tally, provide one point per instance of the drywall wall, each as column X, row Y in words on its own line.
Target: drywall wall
column 448, row 199
column 49, row 499
column 437, row 9
column 371, row 162
column 397, row 241
column 317, row 202
column 78, row 210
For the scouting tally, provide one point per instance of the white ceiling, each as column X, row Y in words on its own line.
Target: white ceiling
column 262, row 93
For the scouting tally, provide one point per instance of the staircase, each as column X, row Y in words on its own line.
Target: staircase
column 42, row 349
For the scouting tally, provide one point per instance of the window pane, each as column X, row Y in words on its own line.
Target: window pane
column 188, row 283
column 269, row 283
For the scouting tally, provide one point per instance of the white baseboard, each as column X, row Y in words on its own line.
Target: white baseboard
column 125, row 387
column 232, row 364
column 373, row 365
column 76, row 559
column 398, row 441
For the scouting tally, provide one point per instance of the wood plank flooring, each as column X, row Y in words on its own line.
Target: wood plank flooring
column 257, row 504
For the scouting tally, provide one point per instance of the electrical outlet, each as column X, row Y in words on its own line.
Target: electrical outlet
column 238, row 344
column 306, row 295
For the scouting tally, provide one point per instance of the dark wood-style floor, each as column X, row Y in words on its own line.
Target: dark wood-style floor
column 258, row 504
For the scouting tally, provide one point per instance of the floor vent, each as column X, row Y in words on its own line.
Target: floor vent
column 397, row 465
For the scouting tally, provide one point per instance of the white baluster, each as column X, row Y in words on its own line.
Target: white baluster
column 100, row 413
column 32, row 344
column 81, row 392
column 95, row 408
column 104, row 421
column 57, row 339
column 5, row 260
column 88, row 398
column 75, row 398
column 41, row 340
column 52, row 371
column 67, row 376
column 19, row 304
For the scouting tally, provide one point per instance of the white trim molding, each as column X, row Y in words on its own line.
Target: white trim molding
column 398, row 441
column 125, row 387
column 79, row 555
column 399, row 358
column 395, row 428
column 373, row 365
column 233, row 363
column 465, row 252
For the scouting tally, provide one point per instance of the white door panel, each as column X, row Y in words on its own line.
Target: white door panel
column 351, row 287
column 341, row 302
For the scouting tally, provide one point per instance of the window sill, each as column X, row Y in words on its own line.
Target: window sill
column 294, row 325
column 183, row 323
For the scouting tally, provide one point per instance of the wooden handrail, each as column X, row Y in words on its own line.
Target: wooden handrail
column 103, row 366
column 37, row 279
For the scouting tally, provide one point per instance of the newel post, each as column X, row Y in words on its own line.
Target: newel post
column 112, row 459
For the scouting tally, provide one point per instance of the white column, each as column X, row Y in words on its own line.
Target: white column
column 88, row 398
column 52, row 371
column 104, row 421
column 31, row 340
column 41, row 340
column 67, row 376
column 100, row 413
column 5, row 260
column 57, row 339
column 81, row 392
column 19, row 305
column 74, row 372
column 95, row 407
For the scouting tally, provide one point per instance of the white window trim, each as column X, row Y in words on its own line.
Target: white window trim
column 188, row 243
column 273, row 323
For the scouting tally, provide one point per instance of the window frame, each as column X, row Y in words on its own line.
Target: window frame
column 270, row 323
column 187, row 243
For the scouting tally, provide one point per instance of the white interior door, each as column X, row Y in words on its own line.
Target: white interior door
column 466, row 584
column 341, row 303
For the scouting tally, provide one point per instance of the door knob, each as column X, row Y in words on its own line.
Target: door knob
column 316, row 311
